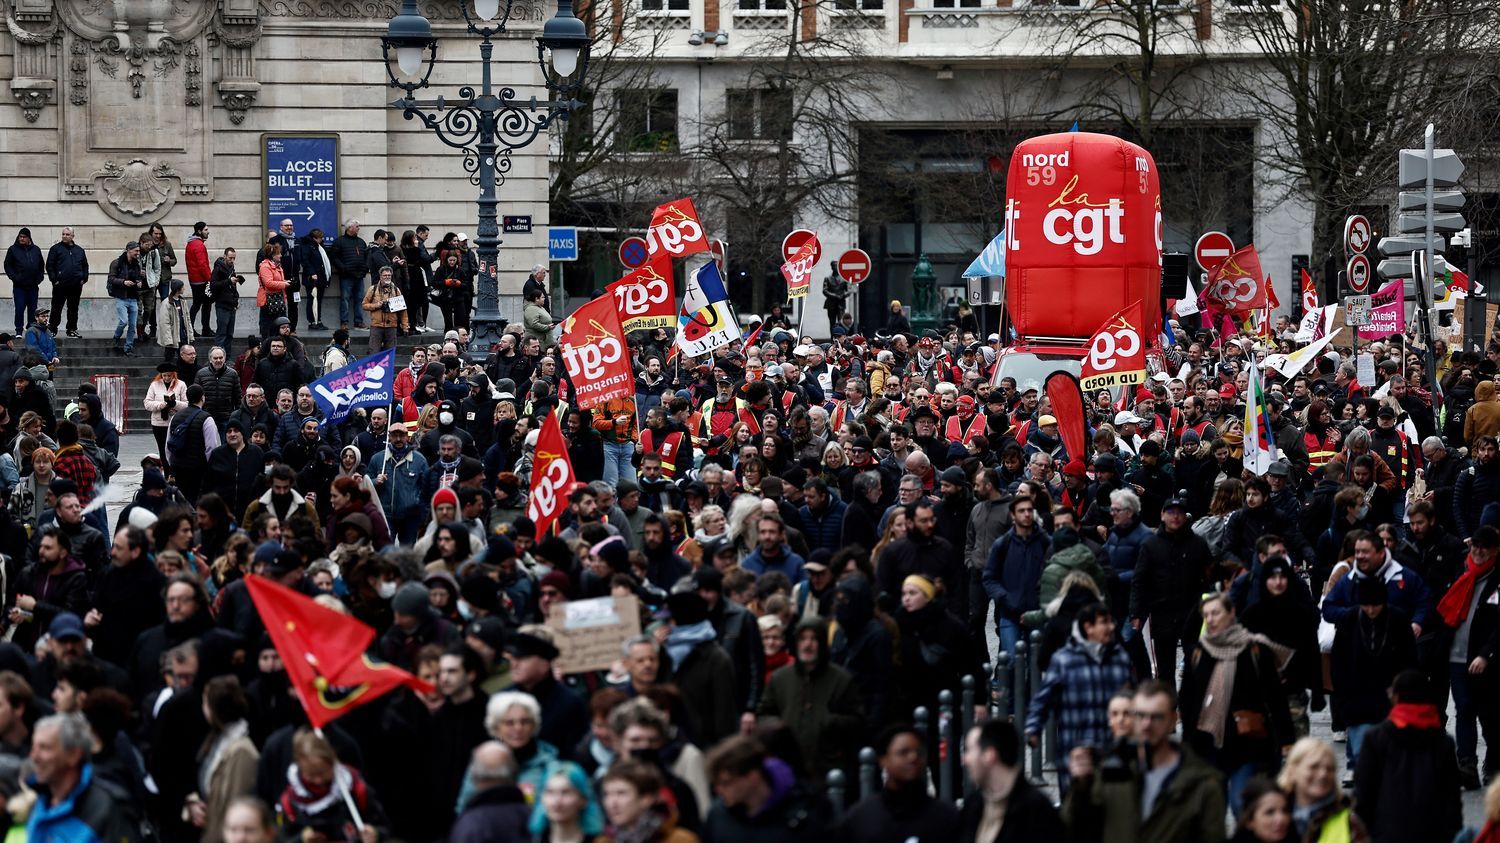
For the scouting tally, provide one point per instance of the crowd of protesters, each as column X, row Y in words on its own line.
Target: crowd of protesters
column 817, row 535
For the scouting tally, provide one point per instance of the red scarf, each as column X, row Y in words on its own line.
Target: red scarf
column 1415, row 716
column 1490, row 833
column 1454, row 607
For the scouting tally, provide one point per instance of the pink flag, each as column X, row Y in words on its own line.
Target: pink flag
column 1387, row 313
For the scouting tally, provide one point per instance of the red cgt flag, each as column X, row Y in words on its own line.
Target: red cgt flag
column 1309, row 293
column 552, row 476
column 594, row 353
column 324, row 653
column 1238, row 284
column 798, row 271
column 675, row 229
column 645, row 298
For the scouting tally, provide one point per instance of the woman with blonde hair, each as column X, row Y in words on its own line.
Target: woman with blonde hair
column 743, row 524
column 710, row 523
column 1320, row 810
column 165, row 395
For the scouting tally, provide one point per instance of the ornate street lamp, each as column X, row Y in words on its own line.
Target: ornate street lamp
column 487, row 125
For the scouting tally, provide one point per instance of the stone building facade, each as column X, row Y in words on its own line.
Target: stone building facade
column 116, row 114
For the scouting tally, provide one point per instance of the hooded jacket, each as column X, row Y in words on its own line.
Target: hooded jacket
column 1405, row 591
column 861, row 644
column 106, row 435
column 24, row 265
column 1483, row 418
column 820, row 704
column 1014, row 571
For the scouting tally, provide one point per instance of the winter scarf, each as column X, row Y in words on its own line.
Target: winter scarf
column 1415, row 716
column 1225, row 647
column 1454, row 607
column 642, row 831
column 682, row 639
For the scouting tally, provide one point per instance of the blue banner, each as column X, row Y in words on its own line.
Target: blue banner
column 370, row 382
column 302, row 183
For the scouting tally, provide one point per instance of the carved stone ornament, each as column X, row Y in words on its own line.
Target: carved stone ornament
column 238, row 96
column 138, row 190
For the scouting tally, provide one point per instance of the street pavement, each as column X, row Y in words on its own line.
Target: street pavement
column 127, row 481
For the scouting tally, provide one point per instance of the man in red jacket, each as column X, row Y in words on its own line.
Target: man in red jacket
column 199, row 271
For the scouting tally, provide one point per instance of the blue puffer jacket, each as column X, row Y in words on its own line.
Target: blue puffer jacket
column 401, row 493
column 825, row 530
column 1123, row 547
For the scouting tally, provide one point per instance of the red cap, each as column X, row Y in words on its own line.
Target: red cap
column 966, row 401
column 445, row 495
column 1076, row 468
column 1143, row 394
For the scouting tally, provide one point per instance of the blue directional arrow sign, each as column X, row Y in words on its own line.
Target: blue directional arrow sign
column 301, row 182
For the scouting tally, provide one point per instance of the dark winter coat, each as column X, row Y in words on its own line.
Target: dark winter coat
column 1476, row 486
column 908, row 815
column 821, row 706
column 1170, row 573
column 1399, row 768
column 349, row 257
column 739, row 635
column 130, row 601
column 825, row 528
column 1014, row 571
column 1257, row 687
column 24, row 265
column 937, row 652
column 67, row 264
column 706, row 680
column 933, row 558
column 494, row 815
column 1029, row 816
column 221, row 392
column 235, row 474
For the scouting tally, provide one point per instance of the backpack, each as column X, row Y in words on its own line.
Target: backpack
column 177, row 437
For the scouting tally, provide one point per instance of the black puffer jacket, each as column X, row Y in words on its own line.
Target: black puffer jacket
column 221, row 391
column 349, row 256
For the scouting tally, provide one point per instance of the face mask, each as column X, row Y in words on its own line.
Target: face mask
column 1364, row 510
column 268, row 469
column 465, row 611
column 445, row 418
column 386, row 589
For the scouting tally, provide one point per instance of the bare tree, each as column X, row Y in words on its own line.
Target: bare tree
column 1341, row 86
column 786, row 142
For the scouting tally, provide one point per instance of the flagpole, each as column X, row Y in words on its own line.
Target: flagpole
column 359, row 821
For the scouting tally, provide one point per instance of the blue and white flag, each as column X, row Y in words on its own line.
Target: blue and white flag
column 370, row 382
column 705, row 321
column 991, row 261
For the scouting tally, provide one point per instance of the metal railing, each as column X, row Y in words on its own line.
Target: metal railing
column 1013, row 679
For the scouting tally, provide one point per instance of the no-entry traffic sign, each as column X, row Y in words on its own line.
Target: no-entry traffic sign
column 854, row 266
column 1212, row 249
column 794, row 241
column 633, row 252
column 1359, row 273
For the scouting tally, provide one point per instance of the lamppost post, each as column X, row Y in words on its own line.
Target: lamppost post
column 487, row 125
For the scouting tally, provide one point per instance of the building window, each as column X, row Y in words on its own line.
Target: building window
column 961, row 4
column 859, row 5
column 664, row 5
column 647, row 120
column 762, row 5
column 760, row 114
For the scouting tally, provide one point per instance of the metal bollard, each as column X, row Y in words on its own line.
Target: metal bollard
column 1000, row 686
column 1018, row 695
column 966, row 722
column 868, row 773
column 945, row 745
column 919, row 717
column 836, row 790
column 1034, row 668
